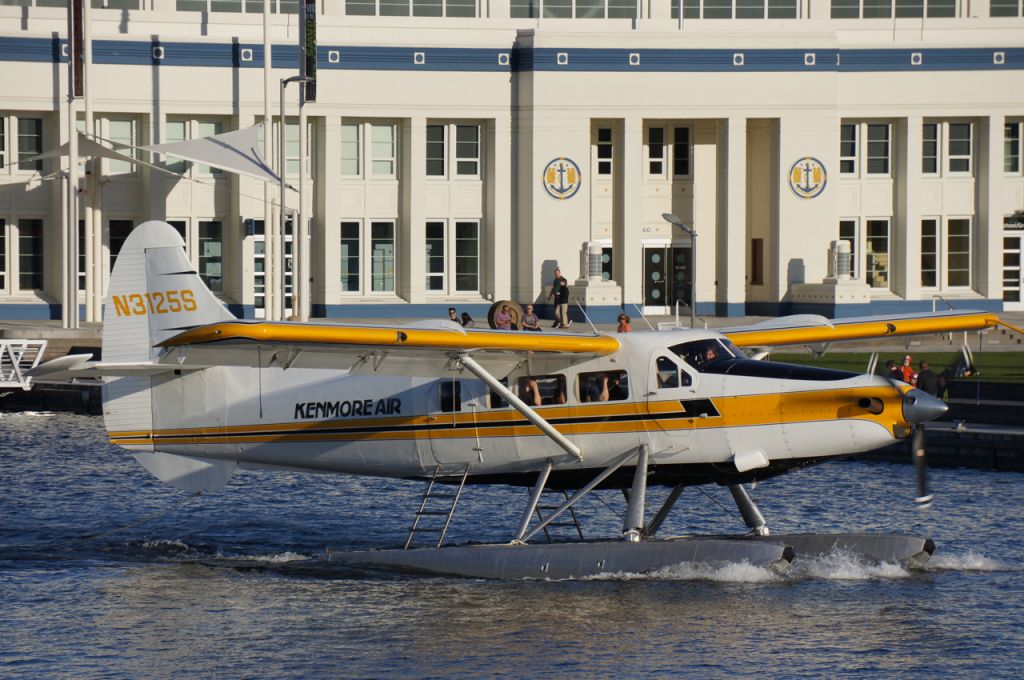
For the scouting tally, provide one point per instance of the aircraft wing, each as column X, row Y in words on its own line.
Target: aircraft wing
column 377, row 350
column 809, row 329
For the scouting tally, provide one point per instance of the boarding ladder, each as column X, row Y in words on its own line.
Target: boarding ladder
column 574, row 522
column 433, row 507
column 17, row 357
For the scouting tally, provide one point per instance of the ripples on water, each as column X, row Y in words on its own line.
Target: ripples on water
column 107, row 572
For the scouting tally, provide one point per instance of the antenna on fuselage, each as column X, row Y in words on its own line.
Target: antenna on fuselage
column 640, row 311
column 587, row 317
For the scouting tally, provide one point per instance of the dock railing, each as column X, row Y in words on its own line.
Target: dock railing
column 18, row 357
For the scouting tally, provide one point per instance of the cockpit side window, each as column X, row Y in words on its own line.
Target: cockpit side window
column 450, row 395
column 668, row 374
column 700, row 354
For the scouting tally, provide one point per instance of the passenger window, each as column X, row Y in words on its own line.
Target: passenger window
column 542, row 390
column 450, row 395
column 495, row 399
column 604, row 386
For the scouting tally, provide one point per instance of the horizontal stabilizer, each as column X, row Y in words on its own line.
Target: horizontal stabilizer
column 75, row 366
column 188, row 473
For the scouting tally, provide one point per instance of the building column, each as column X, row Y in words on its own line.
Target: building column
column 905, row 258
column 731, row 235
column 497, row 285
column 411, row 229
column 987, row 258
column 326, row 240
column 626, row 246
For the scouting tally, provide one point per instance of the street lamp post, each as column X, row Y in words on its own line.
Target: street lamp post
column 279, row 256
column 672, row 219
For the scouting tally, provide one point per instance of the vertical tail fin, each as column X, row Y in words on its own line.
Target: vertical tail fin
column 154, row 294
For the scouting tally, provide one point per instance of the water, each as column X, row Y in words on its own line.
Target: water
column 106, row 572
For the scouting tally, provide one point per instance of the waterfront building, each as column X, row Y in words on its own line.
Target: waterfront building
column 458, row 150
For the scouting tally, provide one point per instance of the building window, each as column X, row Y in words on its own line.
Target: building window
column 30, row 143
column 211, row 235
column 938, row 9
column 467, row 256
column 878, row 148
column 382, row 257
column 464, row 254
column 416, row 8
column 960, row 148
column 848, row 149
column 30, row 254
column 350, row 257
column 717, row 9
column 848, row 232
column 524, row 9
column 929, row 253
column 656, row 151
column 3, row 144
column 606, row 264
column 382, row 149
column 845, row 9
column 681, row 152
column 435, row 151
column 435, row 256
column 176, row 131
column 350, row 149
column 958, row 253
column 119, row 230
column 1011, row 147
column 876, row 255
column 467, row 150
column 121, row 132
column 184, row 130
column 877, row 9
column 604, row 151
column 930, row 149
column 1004, row 8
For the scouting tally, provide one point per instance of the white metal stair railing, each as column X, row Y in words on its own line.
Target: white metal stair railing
column 18, row 357
column 573, row 523
column 433, row 511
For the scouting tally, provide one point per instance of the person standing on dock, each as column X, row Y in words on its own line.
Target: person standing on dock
column 928, row 381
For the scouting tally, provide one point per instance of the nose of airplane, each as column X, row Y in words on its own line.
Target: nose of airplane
column 920, row 407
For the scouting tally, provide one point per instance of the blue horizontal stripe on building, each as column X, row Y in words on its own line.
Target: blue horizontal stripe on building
column 361, row 58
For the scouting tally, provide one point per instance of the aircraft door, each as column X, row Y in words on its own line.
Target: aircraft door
column 670, row 392
column 451, row 410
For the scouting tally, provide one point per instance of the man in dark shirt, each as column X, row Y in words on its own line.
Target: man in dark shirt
column 560, row 293
column 928, row 381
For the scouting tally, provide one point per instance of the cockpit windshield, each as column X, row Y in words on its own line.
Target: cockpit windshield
column 701, row 354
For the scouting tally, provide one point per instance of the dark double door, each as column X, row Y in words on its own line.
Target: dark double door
column 666, row 278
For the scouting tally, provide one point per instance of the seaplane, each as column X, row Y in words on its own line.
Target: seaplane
column 195, row 394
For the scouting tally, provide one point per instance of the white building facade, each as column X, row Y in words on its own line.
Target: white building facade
column 459, row 151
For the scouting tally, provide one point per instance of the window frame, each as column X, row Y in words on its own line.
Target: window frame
column 870, row 271
column 38, row 255
column 450, row 273
column 110, row 165
column 15, row 138
column 3, row 145
column 936, row 152
column 935, row 253
column 202, row 258
column 434, row 146
column 651, row 145
column 846, row 145
column 357, row 145
column 967, row 157
column 1007, row 140
column 372, row 157
column 604, row 149
column 687, row 157
column 869, row 158
column 477, row 159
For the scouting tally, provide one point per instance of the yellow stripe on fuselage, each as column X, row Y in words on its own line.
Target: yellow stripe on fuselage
column 668, row 415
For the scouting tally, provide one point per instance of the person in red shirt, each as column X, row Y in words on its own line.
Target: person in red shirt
column 907, row 370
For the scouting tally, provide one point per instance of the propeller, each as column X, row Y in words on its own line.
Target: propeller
column 920, row 458
column 918, row 408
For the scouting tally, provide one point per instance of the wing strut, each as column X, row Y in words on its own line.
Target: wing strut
column 519, row 405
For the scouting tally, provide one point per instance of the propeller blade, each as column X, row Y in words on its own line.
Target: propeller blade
column 917, row 451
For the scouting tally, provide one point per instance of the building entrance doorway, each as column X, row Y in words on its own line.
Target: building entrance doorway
column 666, row 278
